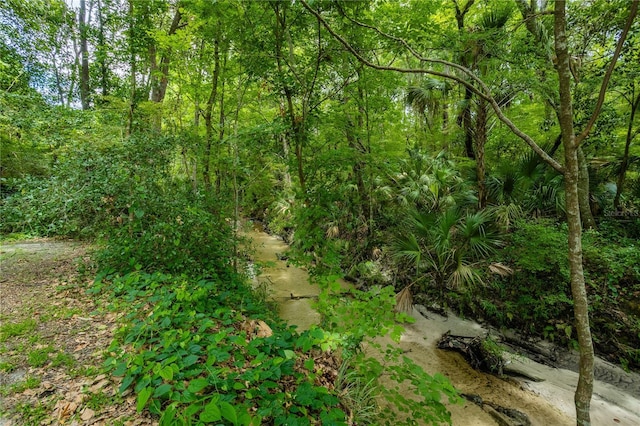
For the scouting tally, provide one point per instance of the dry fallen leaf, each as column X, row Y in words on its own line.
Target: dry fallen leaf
column 87, row 414
column 263, row 329
column 66, row 409
column 98, row 386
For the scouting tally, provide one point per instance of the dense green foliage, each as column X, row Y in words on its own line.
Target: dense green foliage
column 399, row 181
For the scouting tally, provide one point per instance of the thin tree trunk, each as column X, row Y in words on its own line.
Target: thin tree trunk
column 625, row 158
column 132, row 71
column 556, row 145
column 481, row 140
column 295, row 134
column 208, row 116
column 285, row 151
column 75, row 71
column 84, row 51
column 584, row 389
column 159, row 83
column 221, row 128
column 465, row 116
column 58, row 81
column 101, row 54
column 584, row 191
column 159, row 89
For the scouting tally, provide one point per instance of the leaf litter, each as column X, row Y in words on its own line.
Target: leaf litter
column 51, row 373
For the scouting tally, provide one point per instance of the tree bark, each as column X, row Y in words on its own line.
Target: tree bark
column 353, row 130
column 481, row 140
column 295, row 134
column 160, row 73
column 584, row 191
column 208, row 116
column 584, row 389
column 84, row 51
column 465, row 116
column 221, row 126
column 102, row 53
column 132, row 71
column 159, row 89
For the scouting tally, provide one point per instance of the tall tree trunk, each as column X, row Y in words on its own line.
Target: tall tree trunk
column 221, row 127
column 467, row 124
column 56, row 72
column 132, row 70
column 353, row 130
column 101, row 54
column 159, row 86
column 481, row 140
column 625, row 158
column 84, row 51
column 584, row 389
column 160, row 73
column 295, row 134
column 208, row 116
column 584, row 191
column 284, row 141
column 465, row 116
column 529, row 13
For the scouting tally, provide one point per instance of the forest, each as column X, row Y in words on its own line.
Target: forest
column 477, row 157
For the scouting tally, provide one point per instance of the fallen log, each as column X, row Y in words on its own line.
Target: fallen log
column 481, row 353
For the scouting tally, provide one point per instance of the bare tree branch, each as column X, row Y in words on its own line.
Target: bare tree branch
column 483, row 92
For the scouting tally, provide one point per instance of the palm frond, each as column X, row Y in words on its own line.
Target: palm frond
column 507, row 214
column 497, row 17
column 408, row 248
column 500, row 269
column 464, row 276
column 404, row 300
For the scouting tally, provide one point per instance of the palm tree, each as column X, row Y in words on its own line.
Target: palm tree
column 447, row 246
column 429, row 98
column 430, row 183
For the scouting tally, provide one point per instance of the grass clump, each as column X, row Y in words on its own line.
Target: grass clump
column 39, row 357
column 29, row 382
column 21, row 328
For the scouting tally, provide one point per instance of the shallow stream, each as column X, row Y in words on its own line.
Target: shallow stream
column 547, row 402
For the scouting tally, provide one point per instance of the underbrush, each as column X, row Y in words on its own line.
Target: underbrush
column 198, row 345
column 204, row 352
column 536, row 298
column 198, row 351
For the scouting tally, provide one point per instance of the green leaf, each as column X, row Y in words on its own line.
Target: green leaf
column 121, row 368
column 168, row 416
column 197, row 385
column 190, row 360
column 162, row 390
column 166, row 373
column 229, row 412
column 211, row 413
column 126, row 383
column 143, row 397
column 309, row 364
column 289, row 354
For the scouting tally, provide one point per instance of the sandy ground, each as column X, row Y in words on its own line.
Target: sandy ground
column 546, row 402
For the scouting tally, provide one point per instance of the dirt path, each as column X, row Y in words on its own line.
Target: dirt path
column 52, row 340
